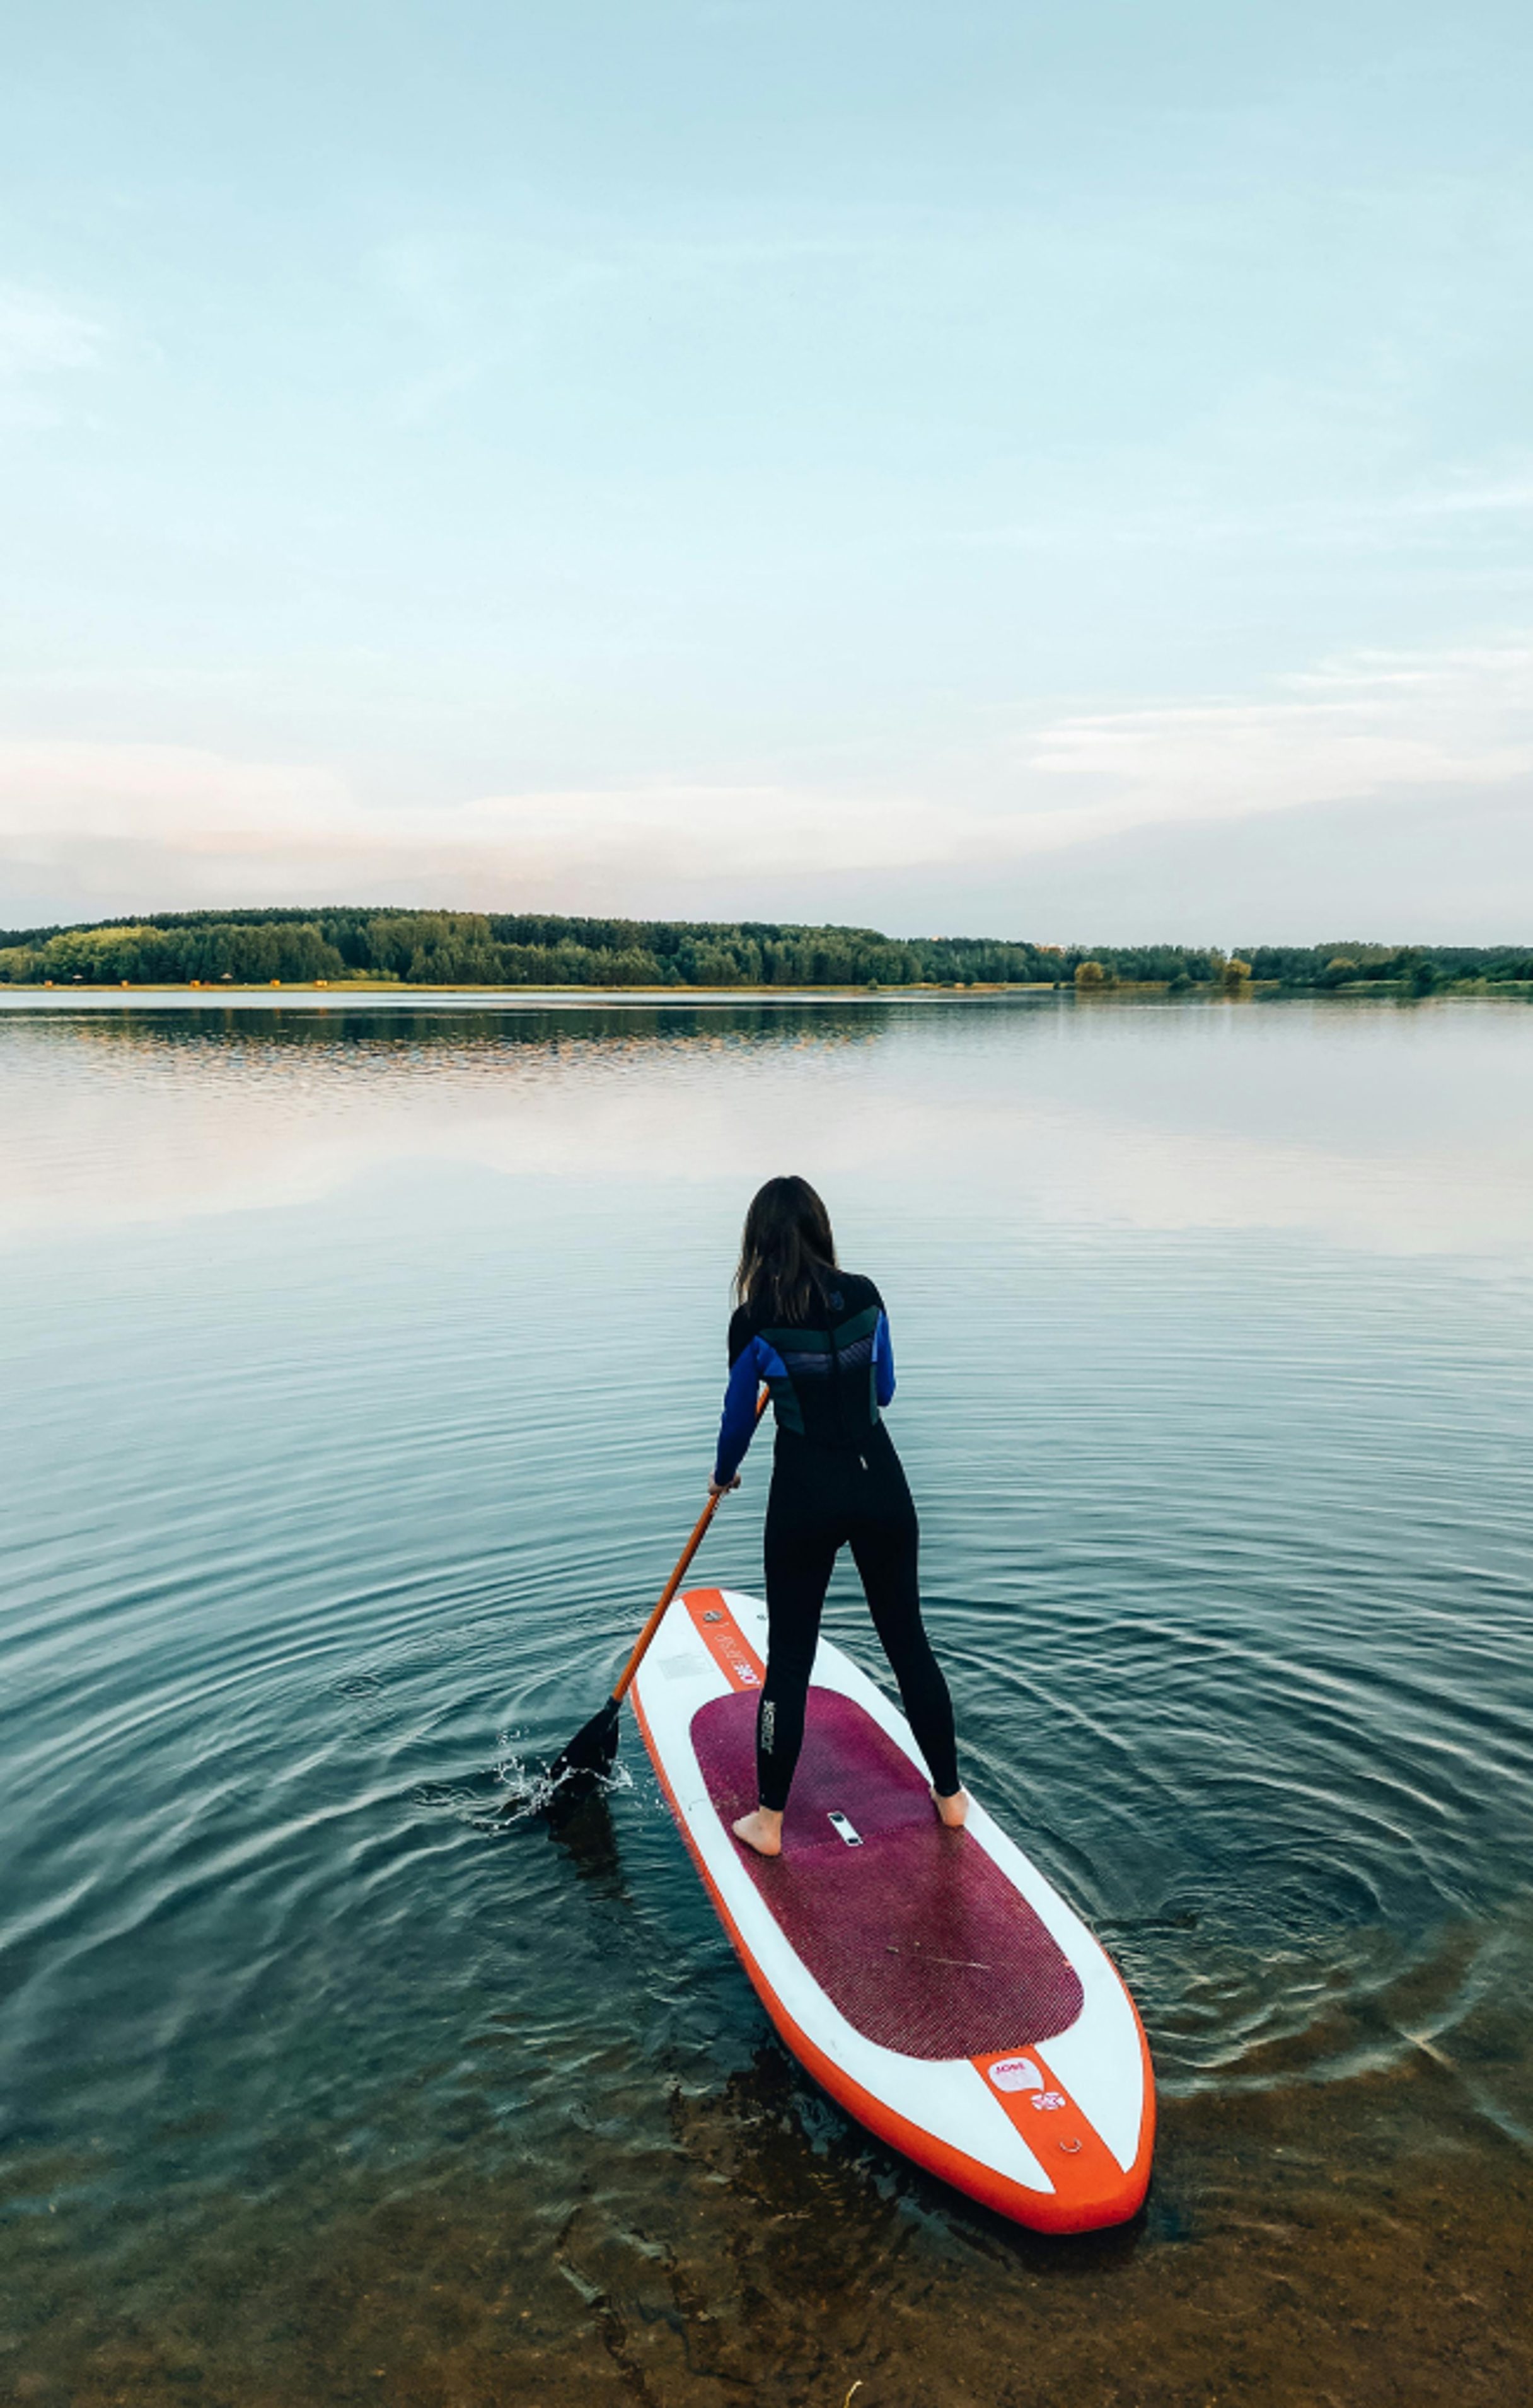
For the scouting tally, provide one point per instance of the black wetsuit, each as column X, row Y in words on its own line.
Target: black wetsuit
column 836, row 1480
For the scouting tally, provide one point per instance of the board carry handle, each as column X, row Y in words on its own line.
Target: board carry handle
column 657, row 1617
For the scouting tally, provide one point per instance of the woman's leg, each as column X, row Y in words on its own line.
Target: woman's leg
column 885, row 1547
column 800, row 1555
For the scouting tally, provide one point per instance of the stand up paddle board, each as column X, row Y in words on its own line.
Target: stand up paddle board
column 930, row 1980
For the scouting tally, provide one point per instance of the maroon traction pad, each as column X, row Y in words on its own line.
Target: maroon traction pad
column 917, row 1936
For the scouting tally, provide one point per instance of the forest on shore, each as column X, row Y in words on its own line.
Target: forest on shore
column 336, row 947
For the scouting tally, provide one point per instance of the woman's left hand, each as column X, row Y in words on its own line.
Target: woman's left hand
column 723, row 1487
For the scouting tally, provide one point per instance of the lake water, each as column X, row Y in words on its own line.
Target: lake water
column 363, row 1365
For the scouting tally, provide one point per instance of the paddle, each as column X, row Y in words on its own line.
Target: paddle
column 594, row 1749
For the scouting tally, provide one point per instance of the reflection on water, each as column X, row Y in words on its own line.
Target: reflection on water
column 362, row 1369
column 1417, row 1134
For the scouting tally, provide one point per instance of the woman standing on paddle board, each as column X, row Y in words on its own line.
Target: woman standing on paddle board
column 819, row 1337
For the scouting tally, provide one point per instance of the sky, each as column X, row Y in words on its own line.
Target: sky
column 985, row 468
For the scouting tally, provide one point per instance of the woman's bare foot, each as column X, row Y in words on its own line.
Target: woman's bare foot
column 762, row 1830
column 953, row 1811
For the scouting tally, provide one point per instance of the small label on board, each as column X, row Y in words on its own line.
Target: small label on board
column 845, row 1831
column 683, row 1667
column 1016, row 2073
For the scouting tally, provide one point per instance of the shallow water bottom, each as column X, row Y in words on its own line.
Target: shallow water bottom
column 1311, row 2246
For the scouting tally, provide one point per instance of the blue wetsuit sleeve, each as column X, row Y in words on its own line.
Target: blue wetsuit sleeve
column 884, row 1362
column 739, row 1424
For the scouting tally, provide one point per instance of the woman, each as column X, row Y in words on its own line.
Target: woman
column 819, row 1337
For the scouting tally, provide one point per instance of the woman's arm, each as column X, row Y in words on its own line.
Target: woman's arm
column 737, row 1426
column 884, row 1362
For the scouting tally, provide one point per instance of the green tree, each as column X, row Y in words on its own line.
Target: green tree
column 1420, row 975
column 1338, row 970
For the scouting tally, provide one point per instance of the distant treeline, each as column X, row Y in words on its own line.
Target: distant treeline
column 518, row 949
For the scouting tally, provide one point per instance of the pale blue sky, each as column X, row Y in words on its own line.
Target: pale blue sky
column 1040, row 470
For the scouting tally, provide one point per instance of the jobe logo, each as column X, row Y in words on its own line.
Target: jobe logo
column 1021, row 2073
column 1016, row 2073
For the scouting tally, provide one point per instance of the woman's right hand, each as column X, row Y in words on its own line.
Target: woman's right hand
column 723, row 1487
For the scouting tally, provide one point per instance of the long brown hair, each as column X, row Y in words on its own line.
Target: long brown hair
column 787, row 1252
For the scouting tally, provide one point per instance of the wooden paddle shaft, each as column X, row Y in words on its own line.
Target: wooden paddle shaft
column 677, row 1576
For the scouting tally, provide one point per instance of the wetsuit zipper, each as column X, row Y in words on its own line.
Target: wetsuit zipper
column 836, row 1381
column 838, row 1391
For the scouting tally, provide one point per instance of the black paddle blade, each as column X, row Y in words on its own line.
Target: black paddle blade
column 593, row 1751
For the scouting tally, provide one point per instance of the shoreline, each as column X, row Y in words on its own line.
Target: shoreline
column 213, row 991
column 273, row 994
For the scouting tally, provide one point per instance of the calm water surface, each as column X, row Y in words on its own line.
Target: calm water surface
column 361, row 1372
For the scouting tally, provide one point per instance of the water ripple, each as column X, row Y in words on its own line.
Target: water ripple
column 336, row 1505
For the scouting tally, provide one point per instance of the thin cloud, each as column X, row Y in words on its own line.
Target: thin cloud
column 132, row 826
column 41, row 339
column 1367, row 726
column 40, row 336
column 1431, row 514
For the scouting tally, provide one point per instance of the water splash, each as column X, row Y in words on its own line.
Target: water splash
column 528, row 1788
